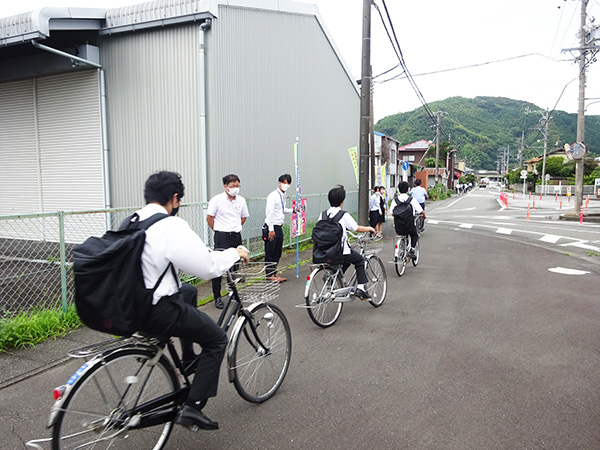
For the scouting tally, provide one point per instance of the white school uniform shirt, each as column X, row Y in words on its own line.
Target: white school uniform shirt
column 228, row 213
column 347, row 222
column 374, row 202
column 171, row 240
column 414, row 203
column 275, row 209
column 418, row 193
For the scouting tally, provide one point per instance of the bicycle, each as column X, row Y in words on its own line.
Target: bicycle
column 128, row 394
column 402, row 254
column 420, row 224
column 326, row 289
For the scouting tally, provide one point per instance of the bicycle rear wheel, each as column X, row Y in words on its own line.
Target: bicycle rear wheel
column 377, row 285
column 322, row 310
column 400, row 259
column 258, row 371
column 98, row 411
column 417, row 254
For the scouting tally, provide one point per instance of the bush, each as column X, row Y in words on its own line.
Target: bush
column 438, row 192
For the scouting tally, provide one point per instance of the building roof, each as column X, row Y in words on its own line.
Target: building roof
column 555, row 152
column 39, row 24
column 421, row 145
column 430, row 171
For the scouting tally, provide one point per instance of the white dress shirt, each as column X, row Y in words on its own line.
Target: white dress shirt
column 172, row 240
column 413, row 202
column 374, row 202
column 347, row 222
column 276, row 209
column 228, row 213
column 418, row 193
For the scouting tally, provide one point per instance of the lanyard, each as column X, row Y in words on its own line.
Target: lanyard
column 282, row 205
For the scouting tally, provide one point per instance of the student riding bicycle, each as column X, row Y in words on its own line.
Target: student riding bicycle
column 336, row 197
column 404, row 210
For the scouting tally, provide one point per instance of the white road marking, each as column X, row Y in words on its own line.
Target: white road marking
column 567, row 271
column 433, row 222
column 581, row 244
column 502, row 205
column 504, row 231
column 454, row 202
column 553, row 239
column 466, row 225
column 504, row 223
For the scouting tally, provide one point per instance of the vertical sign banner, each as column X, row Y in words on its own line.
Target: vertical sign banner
column 380, row 176
column 354, row 158
column 299, row 218
column 296, row 226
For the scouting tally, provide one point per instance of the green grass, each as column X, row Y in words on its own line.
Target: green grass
column 27, row 329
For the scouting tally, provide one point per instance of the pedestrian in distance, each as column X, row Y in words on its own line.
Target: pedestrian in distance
column 419, row 193
column 382, row 205
column 272, row 231
column 374, row 208
column 226, row 214
column 336, row 197
column 172, row 243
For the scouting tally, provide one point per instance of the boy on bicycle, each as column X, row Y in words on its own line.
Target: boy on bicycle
column 409, row 225
column 336, row 198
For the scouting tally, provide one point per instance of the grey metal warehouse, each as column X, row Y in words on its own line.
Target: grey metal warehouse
column 94, row 100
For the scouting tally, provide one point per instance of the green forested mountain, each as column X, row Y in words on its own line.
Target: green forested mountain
column 480, row 126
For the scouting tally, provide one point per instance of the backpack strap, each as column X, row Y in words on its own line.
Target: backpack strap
column 338, row 216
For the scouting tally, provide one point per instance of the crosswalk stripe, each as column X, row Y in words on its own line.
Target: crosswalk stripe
column 504, row 231
column 433, row 222
column 466, row 225
column 551, row 238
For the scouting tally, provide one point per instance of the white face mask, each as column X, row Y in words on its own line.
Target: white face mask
column 234, row 191
column 284, row 187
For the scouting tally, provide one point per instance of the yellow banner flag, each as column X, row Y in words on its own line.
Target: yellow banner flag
column 354, row 158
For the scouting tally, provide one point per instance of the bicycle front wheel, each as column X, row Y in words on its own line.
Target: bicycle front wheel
column 415, row 261
column 377, row 285
column 259, row 357
column 322, row 310
column 102, row 410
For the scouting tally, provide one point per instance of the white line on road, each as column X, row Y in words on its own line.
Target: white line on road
column 433, row 222
column 504, row 231
column 551, row 238
column 466, row 225
column 454, row 202
column 581, row 244
column 502, row 205
column 567, row 271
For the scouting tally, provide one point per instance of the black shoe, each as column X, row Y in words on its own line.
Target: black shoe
column 362, row 294
column 219, row 303
column 192, row 418
column 412, row 254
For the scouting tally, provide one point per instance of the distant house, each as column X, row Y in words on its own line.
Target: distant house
column 414, row 155
column 531, row 164
column 386, row 150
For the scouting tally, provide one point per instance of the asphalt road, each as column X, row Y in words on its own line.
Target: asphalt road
column 480, row 346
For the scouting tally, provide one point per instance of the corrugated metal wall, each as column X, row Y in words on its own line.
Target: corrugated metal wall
column 272, row 77
column 152, row 85
column 51, row 144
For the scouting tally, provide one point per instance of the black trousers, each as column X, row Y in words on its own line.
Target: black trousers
column 272, row 248
column 177, row 315
column 414, row 236
column 374, row 218
column 359, row 264
column 224, row 240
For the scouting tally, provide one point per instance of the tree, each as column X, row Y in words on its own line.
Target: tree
column 429, row 162
column 555, row 166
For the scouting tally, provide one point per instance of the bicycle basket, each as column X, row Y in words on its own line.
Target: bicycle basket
column 372, row 245
column 252, row 283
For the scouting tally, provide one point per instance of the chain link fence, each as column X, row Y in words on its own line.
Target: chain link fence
column 36, row 249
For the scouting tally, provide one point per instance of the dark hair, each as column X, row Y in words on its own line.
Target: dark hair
column 376, row 188
column 418, row 182
column 285, row 177
column 161, row 186
column 229, row 178
column 336, row 195
column 403, row 187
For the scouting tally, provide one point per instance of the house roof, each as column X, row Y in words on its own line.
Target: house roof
column 555, row 152
column 431, row 171
column 421, row 145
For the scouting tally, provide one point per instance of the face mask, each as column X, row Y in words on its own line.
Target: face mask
column 175, row 211
column 284, row 187
column 234, row 191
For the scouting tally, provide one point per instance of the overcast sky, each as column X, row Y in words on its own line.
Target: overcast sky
column 441, row 35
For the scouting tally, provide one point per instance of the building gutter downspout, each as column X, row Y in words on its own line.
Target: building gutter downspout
column 202, row 90
column 105, row 154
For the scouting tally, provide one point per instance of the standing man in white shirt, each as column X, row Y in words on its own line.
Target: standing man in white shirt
column 272, row 229
column 171, row 245
column 226, row 214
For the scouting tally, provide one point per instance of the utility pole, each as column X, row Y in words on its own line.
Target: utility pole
column 521, row 145
column 372, row 133
column 365, row 100
column 546, row 119
column 581, row 110
column 437, row 143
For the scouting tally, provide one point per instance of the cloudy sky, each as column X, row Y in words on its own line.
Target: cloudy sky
column 468, row 48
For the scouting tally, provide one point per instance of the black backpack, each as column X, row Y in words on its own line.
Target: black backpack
column 327, row 238
column 403, row 216
column 110, row 295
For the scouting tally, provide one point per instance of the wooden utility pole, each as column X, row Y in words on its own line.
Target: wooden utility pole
column 365, row 100
column 437, row 143
column 546, row 119
column 581, row 110
column 372, row 133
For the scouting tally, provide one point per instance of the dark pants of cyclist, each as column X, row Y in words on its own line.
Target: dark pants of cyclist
column 224, row 240
column 177, row 315
column 272, row 248
column 422, row 205
column 359, row 264
column 412, row 232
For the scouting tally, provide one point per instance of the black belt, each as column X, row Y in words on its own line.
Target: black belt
column 228, row 233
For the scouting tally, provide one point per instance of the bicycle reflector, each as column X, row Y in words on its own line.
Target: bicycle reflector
column 308, row 278
column 58, row 392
